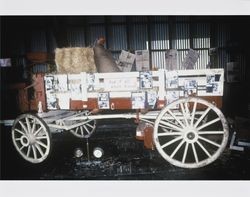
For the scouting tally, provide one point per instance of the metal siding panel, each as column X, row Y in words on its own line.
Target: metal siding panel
column 203, row 59
column 137, row 19
column 159, row 18
column 201, row 36
column 223, row 35
column 158, row 59
column 182, row 18
column 40, row 68
column 51, row 46
column 95, row 19
column 76, row 37
column 242, row 65
column 38, row 41
column 181, row 38
column 223, row 58
column 118, row 38
column 118, row 19
column 138, row 37
column 159, row 36
column 95, row 32
column 180, row 57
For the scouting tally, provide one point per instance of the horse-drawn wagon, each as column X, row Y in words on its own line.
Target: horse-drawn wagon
column 180, row 111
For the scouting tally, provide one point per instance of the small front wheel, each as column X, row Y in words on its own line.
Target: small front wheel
column 31, row 138
column 86, row 129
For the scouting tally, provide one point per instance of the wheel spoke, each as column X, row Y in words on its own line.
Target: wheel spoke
column 18, row 139
column 23, row 126
column 39, row 150
column 171, row 125
column 20, row 132
column 171, row 142
column 184, row 114
column 22, row 148
column 41, row 137
column 193, row 113
column 92, row 127
column 28, row 152
column 172, row 114
column 185, row 153
column 203, row 148
column 169, row 128
column 210, row 132
column 201, row 118
column 195, row 153
column 77, row 128
column 37, row 131
column 169, row 134
column 208, row 123
column 86, row 129
column 33, row 126
column 81, row 131
column 209, row 141
column 186, row 108
column 34, row 152
column 41, row 144
column 177, row 148
column 28, row 124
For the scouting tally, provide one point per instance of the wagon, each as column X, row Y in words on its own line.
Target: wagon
column 177, row 112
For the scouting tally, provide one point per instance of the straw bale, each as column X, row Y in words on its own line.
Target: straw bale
column 75, row 60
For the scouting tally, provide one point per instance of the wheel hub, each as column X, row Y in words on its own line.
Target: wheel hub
column 191, row 135
column 25, row 141
column 28, row 140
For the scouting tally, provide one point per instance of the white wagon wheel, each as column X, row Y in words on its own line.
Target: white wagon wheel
column 85, row 130
column 31, row 138
column 184, row 139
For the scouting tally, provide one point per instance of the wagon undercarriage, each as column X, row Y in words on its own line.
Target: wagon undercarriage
column 187, row 138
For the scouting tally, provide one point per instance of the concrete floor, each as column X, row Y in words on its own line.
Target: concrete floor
column 124, row 159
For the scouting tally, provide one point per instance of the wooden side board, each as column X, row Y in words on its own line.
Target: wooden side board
column 125, row 103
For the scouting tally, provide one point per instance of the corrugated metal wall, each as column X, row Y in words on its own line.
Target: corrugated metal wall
column 138, row 37
column 180, row 57
column 159, row 36
column 158, row 59
column 201, row 35
column 181, row 36
column 223, row 36
column 142, row 32
column 117, row 37
column 76, row 37
column 201, row 42
column 94, row 32
column 38, row 41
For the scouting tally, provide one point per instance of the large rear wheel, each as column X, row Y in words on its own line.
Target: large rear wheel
column 190, row 132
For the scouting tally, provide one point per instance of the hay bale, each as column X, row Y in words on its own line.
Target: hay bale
column 75, row 60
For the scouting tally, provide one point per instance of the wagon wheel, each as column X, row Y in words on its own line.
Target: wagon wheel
column 85, row 130
column 31, row 138
column 184, row 139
